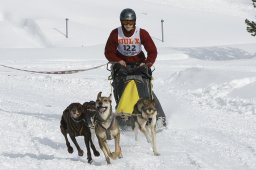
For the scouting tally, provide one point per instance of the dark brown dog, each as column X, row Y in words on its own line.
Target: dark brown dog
column 75, row 121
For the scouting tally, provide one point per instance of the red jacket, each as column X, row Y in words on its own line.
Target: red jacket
column 113, row 55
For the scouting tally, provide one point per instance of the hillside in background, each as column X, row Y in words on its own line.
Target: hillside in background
column 36, row 24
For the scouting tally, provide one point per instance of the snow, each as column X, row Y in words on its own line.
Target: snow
column 205, row 79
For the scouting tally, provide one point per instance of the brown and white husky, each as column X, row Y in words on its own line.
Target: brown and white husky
column 144, row 115
column 106, row 127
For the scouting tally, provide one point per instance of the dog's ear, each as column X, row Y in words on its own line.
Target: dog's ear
column 109, row 98
column 84, row 109
column 153, row 102
column 69, row 108
column 99, row 95
column 80, row 106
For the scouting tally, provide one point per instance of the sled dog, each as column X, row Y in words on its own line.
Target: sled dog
column 106, row 127
column 90, row 108
column 144, row 115
column 75, row 121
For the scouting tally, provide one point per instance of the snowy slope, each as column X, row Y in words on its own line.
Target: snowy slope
column 186, row 23
column 205, row 78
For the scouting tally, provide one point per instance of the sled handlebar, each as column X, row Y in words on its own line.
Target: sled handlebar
column 133, row 66
column 109, row 67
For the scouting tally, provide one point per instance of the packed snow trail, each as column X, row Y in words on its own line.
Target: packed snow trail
column 200, row 135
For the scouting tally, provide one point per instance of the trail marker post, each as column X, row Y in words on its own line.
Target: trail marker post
column 66, row 27
column 162, row 28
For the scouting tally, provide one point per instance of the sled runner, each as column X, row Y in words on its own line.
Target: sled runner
column 131, row 83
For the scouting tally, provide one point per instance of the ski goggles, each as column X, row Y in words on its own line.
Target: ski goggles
column 128, row 22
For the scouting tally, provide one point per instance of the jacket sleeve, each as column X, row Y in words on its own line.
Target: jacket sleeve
column 150, row 48
column 111, row 47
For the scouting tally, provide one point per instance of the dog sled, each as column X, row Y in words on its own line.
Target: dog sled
column 131, row 83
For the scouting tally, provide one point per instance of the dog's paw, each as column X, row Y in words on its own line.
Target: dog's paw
column 156, row 153
column 96, row 153
column 108, row 161
column 120, row 156
column 113, row 155
column 70, row 150
column 80, row 153
column 90, row 160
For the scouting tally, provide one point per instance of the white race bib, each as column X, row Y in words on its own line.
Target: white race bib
column 129, row 46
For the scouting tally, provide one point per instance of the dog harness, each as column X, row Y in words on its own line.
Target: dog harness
column 99, row 121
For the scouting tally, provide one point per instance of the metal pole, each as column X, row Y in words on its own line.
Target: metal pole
column 162, row 26
column 66, row 27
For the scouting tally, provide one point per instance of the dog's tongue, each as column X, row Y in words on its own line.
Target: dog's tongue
column 102, row 109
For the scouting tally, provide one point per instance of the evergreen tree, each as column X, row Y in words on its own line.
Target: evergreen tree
column 251, row 25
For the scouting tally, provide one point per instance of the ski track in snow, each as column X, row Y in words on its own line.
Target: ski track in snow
column 216, row 96
column 212, row 142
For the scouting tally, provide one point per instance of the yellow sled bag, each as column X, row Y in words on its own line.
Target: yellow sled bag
column 129, row 98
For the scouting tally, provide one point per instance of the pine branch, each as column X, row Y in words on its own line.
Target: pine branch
column 251, row 27
column 254, row 3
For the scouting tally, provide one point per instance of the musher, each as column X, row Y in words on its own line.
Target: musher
column 124, row 49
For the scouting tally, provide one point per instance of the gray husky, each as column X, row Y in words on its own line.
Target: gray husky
column 144, row 115
column 106, row 127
